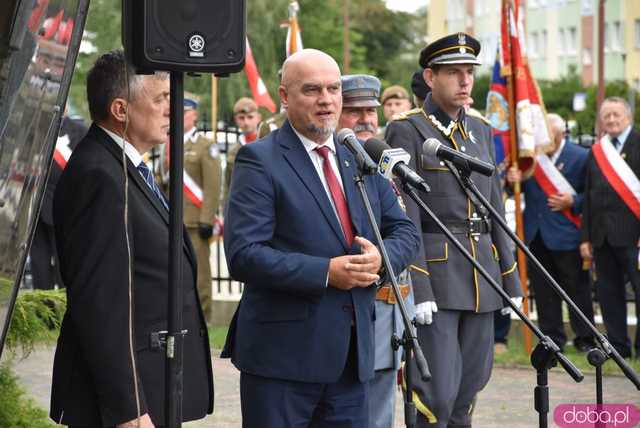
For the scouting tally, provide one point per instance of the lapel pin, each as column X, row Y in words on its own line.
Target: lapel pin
column 346, row 163
column 624, row 155
column 560, row 166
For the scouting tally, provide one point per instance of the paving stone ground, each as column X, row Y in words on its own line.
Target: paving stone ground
column 507, row 401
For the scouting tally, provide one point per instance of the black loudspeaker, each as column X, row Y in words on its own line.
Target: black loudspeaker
column 185, row 35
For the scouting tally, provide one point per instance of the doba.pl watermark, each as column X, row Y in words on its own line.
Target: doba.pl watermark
column 590, row 415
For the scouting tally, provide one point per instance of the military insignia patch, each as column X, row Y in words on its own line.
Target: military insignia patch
column 213, row 151
column 472, row 138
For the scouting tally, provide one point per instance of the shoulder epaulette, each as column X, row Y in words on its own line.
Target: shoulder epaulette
column 406, row 114
column 477, row 115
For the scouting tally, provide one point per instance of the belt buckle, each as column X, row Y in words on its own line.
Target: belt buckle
column 474, row 226
column 391, row 298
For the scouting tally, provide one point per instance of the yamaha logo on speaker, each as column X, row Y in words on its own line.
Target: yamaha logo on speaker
column 196, row 46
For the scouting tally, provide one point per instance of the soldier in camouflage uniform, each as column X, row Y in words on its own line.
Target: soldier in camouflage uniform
column 202, row 165
column 454, row 308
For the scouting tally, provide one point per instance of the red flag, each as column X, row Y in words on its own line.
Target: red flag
column 51, row 25
column 64, row 34
column 531, row 125
column 258, row 88
column 36, row 14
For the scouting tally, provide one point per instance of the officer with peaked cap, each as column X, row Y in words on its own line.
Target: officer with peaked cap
column 202, row 166
column 454, row 308
column 359, row 112
column 360, row 104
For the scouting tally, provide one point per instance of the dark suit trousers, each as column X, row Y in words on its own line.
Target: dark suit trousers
column 276, row 403
column 566, row 268
column 612, row 263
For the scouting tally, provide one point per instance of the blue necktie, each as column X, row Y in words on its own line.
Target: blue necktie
column 148, row 178
column 616, row 143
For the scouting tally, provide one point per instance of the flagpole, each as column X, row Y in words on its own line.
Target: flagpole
column 214, row 106
column 517, row 195
column 346, row 49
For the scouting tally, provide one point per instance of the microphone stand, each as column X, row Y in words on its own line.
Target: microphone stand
column 409, row 340
column 548, row 353
column 596, row 360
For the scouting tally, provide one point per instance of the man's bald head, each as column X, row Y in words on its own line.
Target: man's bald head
column 301, row 60
column 311, row 93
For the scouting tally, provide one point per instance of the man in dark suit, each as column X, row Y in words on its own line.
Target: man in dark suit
column 552, row 232
column 297, row 235
column 610, row 227
column 109, row 369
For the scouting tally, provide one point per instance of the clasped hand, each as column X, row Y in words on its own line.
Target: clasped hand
column 359, row 270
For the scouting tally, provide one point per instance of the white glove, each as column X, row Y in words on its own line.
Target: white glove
column 425, row 311
column 507, row 309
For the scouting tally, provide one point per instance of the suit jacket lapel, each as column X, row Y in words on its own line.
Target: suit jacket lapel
column 136, row 178
column 299, row 160
column 347, row 166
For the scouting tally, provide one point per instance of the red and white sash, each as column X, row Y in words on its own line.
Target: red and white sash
column 192, row 190
column 552, row 182
column 618, row 174
column 62, row 152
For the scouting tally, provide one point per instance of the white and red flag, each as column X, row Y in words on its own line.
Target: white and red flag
column 258, row 88
column 294, row 38
column 533, row 134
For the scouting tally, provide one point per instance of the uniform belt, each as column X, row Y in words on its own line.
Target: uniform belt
column 470, row 227
column 386, row 294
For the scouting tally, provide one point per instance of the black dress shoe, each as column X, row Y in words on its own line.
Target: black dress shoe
column 583, row 344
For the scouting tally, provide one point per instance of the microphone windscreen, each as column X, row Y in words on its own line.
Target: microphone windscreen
column 375, row 147
column 430, row 147
column 344, row 133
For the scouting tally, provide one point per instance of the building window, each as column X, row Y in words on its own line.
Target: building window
column 572, row 41
column 543, row 44
column 637, row 33
column 533, row 45
column 562, row 42
column 616, row 37
column 607, row 37
column 586, row 57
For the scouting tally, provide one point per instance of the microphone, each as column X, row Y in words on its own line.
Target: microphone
column 393, row 163
column 348, row 139
column 433, row 147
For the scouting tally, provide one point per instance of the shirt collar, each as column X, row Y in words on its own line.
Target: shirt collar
column 188, row 136
column 556, row 155
column 622, row 137
column 132, row 153
column 312, row 145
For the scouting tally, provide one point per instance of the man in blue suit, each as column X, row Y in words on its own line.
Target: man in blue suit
column 297, row 235
column 552, row 232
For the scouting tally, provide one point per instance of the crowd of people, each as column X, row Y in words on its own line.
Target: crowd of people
column 312, row 333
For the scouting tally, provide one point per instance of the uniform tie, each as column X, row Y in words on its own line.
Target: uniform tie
column 336, row 194
column 148, row 178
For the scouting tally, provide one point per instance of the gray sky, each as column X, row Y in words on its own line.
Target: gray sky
column 406, row 5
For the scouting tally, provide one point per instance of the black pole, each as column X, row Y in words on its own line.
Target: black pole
column 174, row 343
column 609, row 350
column 410, row 340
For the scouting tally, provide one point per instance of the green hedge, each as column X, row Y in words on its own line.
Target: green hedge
column 36, row 320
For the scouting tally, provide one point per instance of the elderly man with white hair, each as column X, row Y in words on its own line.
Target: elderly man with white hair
column 553, row 196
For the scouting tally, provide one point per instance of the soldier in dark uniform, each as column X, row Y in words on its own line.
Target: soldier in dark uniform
column 454, row 309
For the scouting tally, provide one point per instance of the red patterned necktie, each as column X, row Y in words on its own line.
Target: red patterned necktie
column 337, row 195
